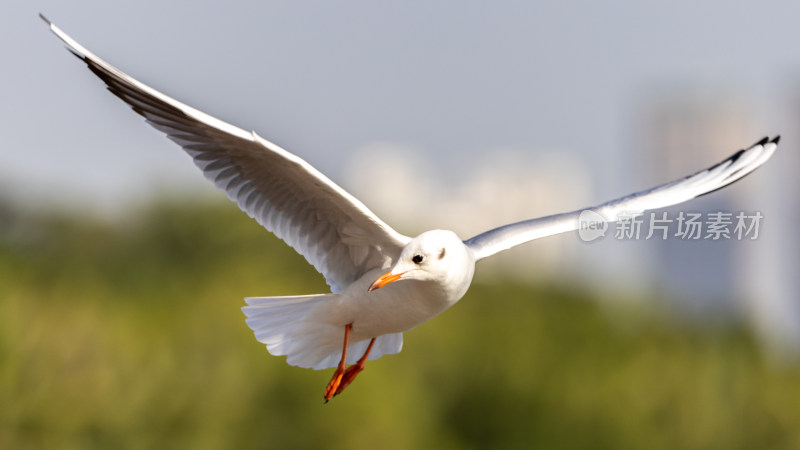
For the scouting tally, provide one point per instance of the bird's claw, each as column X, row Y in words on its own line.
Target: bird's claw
column 348, row 377
column 341, row 380
column 333, row 385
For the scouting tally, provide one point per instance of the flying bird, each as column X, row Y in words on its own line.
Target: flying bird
column 382, row 282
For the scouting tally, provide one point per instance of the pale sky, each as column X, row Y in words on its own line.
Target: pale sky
column 453, row 79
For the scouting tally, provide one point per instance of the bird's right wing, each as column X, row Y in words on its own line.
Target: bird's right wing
column 334, row 231
column 704, row 182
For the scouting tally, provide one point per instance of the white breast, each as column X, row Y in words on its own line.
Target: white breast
column 394, row 308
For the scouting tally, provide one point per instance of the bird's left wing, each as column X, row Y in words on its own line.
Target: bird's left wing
column 334, row 231
column 704, row 182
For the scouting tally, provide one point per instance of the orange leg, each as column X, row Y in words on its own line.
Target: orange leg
column 355, row 369
column 333, row 385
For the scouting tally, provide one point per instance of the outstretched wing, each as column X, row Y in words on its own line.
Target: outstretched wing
column 704, row 182
column 334, row 231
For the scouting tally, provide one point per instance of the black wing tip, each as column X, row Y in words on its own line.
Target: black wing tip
column 766, row 140
column 733, row 159
column 69, row 47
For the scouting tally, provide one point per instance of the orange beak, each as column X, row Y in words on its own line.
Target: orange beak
column 384, row 280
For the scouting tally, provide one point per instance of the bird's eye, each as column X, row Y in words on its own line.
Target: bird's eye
column 418, row 259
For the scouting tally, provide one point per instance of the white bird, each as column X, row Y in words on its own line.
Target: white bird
column 382, row 282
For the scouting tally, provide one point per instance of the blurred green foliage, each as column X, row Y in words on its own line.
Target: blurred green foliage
column 128, row 334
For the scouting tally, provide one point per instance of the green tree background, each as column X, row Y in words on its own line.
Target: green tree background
column 128, row 334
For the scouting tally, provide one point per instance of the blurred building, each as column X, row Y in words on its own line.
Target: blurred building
column 689, row 130
column 771, row 280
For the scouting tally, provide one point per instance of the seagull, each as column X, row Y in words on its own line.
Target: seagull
column 382, row 283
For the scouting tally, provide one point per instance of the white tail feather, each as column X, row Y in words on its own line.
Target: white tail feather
column 288, row 327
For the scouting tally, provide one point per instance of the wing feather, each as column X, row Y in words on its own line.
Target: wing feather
column 716, row 177
column 334, row 231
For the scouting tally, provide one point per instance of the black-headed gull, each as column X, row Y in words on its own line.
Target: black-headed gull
column 360, row 256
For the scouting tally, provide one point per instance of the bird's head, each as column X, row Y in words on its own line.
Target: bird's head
column 439, row 256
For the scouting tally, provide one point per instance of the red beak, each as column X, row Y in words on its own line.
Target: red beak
column 384, row 280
